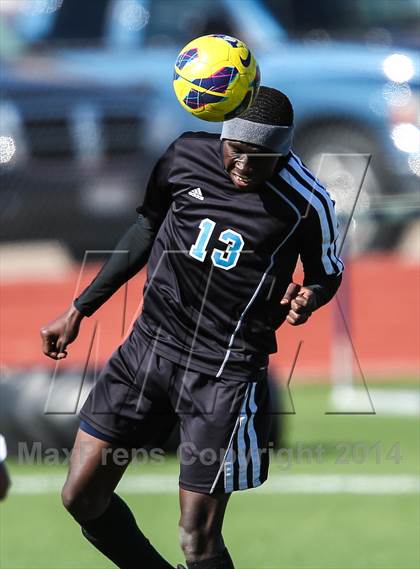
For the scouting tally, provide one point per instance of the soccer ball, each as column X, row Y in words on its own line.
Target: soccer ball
column 216, row 77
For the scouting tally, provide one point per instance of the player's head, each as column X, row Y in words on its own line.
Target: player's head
column 254, row 142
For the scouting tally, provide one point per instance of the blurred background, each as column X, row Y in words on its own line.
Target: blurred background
column 86, row 109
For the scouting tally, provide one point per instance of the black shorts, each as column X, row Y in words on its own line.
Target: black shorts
column 140, row 396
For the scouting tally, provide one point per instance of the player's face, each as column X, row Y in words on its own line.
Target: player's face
column 248, row 166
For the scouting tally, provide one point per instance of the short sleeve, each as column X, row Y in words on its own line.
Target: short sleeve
column 158, row 195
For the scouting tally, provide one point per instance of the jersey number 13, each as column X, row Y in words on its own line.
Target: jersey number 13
column 226, row 259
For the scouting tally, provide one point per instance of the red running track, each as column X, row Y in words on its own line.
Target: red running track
column 384, row 321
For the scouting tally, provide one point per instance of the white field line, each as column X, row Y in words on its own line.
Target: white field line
column 397, row 402
column 279, row 484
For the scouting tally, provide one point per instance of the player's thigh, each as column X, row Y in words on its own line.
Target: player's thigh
column 4, row 481
column 93, row 475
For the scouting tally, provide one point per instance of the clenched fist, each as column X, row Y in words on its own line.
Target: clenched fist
column 302, row 302
column 59, row 333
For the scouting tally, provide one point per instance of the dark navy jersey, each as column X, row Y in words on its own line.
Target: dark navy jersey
column 223, row 257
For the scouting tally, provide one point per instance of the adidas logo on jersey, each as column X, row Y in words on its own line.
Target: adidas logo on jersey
column 196, row 193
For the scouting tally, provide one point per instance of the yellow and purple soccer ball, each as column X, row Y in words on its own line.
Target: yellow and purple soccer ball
column 216, row 77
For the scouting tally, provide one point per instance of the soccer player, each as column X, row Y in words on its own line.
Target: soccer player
column 4, row 475
column 222, row 224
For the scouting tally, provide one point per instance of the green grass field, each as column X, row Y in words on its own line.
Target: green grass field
column 264, row 528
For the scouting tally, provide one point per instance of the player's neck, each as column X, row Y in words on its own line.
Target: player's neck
column 282, row 162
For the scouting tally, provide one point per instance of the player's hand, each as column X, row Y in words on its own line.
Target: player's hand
column 302, row 302
column 59, row 333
